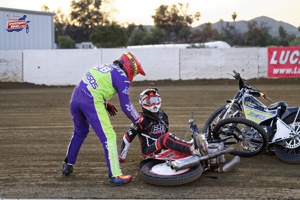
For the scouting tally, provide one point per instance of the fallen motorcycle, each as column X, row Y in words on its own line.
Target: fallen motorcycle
column 170, row 168
column 280, row 122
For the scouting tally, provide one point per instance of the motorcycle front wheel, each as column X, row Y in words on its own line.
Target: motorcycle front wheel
column 246, row 137
column 157, row 172
column 218, row 115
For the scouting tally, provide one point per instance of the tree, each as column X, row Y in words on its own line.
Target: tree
column 283, row 36
column 231, row 35
column 282, row 32
column 130, row 28
column 155, row 36
column 142, row 37
column 45, row 8
column 65, row 42
column 295, row 42
column 234, row 16
column 77, row 33
column 206, row 34
column 257, row 35
column 109, row 36
column 137, row 37
column 176, row 22
column 86, row 14
column 60, row 22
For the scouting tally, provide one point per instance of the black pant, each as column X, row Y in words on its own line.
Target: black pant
column 167, row 141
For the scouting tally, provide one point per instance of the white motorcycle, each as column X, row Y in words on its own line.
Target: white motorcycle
column 281, row 123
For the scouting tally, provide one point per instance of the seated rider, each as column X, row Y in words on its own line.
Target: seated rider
column 153, row 130
column 154, row 136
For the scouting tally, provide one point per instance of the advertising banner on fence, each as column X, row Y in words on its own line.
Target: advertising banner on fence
column 284, row 62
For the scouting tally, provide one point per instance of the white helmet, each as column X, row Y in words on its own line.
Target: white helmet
column 150, row 100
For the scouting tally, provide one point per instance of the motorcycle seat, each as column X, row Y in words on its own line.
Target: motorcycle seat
column 278, row 104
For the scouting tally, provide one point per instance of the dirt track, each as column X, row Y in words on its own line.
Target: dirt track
column 35, row 128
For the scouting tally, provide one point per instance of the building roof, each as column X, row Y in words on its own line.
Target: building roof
column 27, row 11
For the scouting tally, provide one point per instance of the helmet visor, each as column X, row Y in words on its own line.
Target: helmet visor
column 149, row 101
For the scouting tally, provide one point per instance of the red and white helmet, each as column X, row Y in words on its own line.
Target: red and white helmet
column 131, row 65
column 150, row 100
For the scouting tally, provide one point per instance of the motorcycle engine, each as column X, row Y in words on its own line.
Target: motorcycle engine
column 214, row 147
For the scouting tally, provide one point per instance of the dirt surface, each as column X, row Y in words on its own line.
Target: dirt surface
column 35, row 129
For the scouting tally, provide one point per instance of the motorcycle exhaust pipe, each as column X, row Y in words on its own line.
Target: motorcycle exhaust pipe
column 216, row 154
column 185, row 163
column 194, row 160
column 230, row 165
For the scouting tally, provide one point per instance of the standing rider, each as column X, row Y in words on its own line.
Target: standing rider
column 88, row 106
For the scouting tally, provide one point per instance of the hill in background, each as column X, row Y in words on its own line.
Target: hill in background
column 241, row 26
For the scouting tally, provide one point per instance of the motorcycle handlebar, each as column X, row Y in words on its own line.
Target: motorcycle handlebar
column 236, row 75
column 191, row 120
column 268, row 98
column 245, row 85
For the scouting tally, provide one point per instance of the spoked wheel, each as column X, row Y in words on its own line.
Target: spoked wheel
column 290, row 151
column 218, row 115
column 158, row 172
column 246, row 137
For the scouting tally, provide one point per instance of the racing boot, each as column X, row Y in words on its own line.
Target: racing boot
column 193, row 149
column 67, row 168
column 197, row 140
column 119, row 180
column 229, row 165
column 198, row 144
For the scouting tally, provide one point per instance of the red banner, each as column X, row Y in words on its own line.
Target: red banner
column 284, row 62
column 16, row 24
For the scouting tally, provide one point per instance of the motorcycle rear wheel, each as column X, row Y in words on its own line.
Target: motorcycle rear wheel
column 156, row 172
column 246, row 137
column 290, row 155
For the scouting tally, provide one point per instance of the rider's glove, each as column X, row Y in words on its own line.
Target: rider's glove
column 140, row 119
column 121, row 160
column 111, row 109
column 263, row 95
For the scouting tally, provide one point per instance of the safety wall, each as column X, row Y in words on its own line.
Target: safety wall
column 66, row 67
column 216, row 63
column 11, row 66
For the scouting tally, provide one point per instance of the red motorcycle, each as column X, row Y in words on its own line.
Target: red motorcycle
column 170, row 168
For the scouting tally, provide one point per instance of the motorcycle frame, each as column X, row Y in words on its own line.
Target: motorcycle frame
column 283, row 131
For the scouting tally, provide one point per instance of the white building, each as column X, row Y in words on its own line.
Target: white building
column 85, row 45
column 25, row 29
column 212, row 45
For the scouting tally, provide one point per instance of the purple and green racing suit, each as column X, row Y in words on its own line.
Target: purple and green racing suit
column 88, row 107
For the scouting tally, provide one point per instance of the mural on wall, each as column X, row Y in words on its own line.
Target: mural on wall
column 284, row 62
column 17, row 23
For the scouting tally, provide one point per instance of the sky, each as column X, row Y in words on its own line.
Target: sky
column 140, row 11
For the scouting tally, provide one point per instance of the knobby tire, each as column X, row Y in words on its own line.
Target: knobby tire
column 265, row 138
